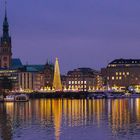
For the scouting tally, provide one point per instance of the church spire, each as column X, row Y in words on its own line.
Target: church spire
column 5, row 23
column 5, row 44
column 5, row 9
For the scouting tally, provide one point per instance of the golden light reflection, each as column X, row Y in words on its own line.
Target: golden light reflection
column 57, row 114
column 73, row 113
column 9, row 107
column 120, row 114
column 137, row 104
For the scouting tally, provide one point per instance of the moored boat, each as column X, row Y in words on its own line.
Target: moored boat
column 135, row 95
column 110, row 96
column 9, row 98
column 99, row 96
column 21, row 98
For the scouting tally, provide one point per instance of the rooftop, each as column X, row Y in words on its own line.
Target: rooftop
column 16, row 63
column 83, row 71
column 124, row 62
column 33, row 68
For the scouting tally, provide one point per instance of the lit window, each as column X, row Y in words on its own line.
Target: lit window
column 78, row 82
column 127, row 65
column 116, row 78
column 127, row 73
column 69, row 82
column 116, row 73
column 85, row 82
column 113, row 78
column 120, row 73
column 72, row 82
column 120, row 77
column 108, row 78
column 81, row 82
column 123, row 73
column 113, row 65
column 75, row 82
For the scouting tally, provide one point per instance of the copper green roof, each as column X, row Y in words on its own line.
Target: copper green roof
column 16, row 63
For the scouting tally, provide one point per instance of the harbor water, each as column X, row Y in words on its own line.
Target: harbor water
column 70, row 119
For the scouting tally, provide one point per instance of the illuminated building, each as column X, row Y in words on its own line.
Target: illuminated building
column 83, row 79
column 64, row 83
column 11, row 73
column 8, row 66
column 48, row 75
column 122, row 73
column 57, row 79
column 5, row 45
column 11, row 76
column 31, row 77
column 99, row 82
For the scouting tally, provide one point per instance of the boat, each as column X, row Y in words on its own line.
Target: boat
column 135, row 95
column 9, row 98
column 21, row 98
column 110, row 96
column 99, row 96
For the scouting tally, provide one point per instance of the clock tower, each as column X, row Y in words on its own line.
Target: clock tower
column 5, row 45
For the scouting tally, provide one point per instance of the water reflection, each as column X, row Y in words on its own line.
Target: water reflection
column 56, row 119
column 5, row 124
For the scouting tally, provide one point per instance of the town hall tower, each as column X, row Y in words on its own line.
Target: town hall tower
column 5, row 45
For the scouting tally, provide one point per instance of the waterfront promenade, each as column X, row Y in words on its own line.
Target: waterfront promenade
column 82, row 95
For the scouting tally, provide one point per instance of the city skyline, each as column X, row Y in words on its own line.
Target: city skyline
column 76, row 32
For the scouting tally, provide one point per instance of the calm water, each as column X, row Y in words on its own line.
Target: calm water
column 47, row 119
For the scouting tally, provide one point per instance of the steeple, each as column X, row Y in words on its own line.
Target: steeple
column 5, row 23
column 5, row 44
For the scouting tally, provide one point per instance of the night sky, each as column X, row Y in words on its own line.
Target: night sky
column 81, row 33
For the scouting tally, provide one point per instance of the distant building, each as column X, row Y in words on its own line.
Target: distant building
column 64, row 82
column 122, row 73
column 82, row 79
column 99, row 82
column 31, row 77
column 11, row 73
column 5, row 46
column 16, row 63
column 48, row 75
column 12, row 76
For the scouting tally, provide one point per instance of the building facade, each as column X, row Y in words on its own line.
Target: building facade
column 48, row 75
column 122, row 73
column 31, row 78
column 5, row 46
column 82, row 79
column 9, row 79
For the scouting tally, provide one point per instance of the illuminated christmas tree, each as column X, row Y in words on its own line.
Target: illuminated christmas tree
column 57, row 79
